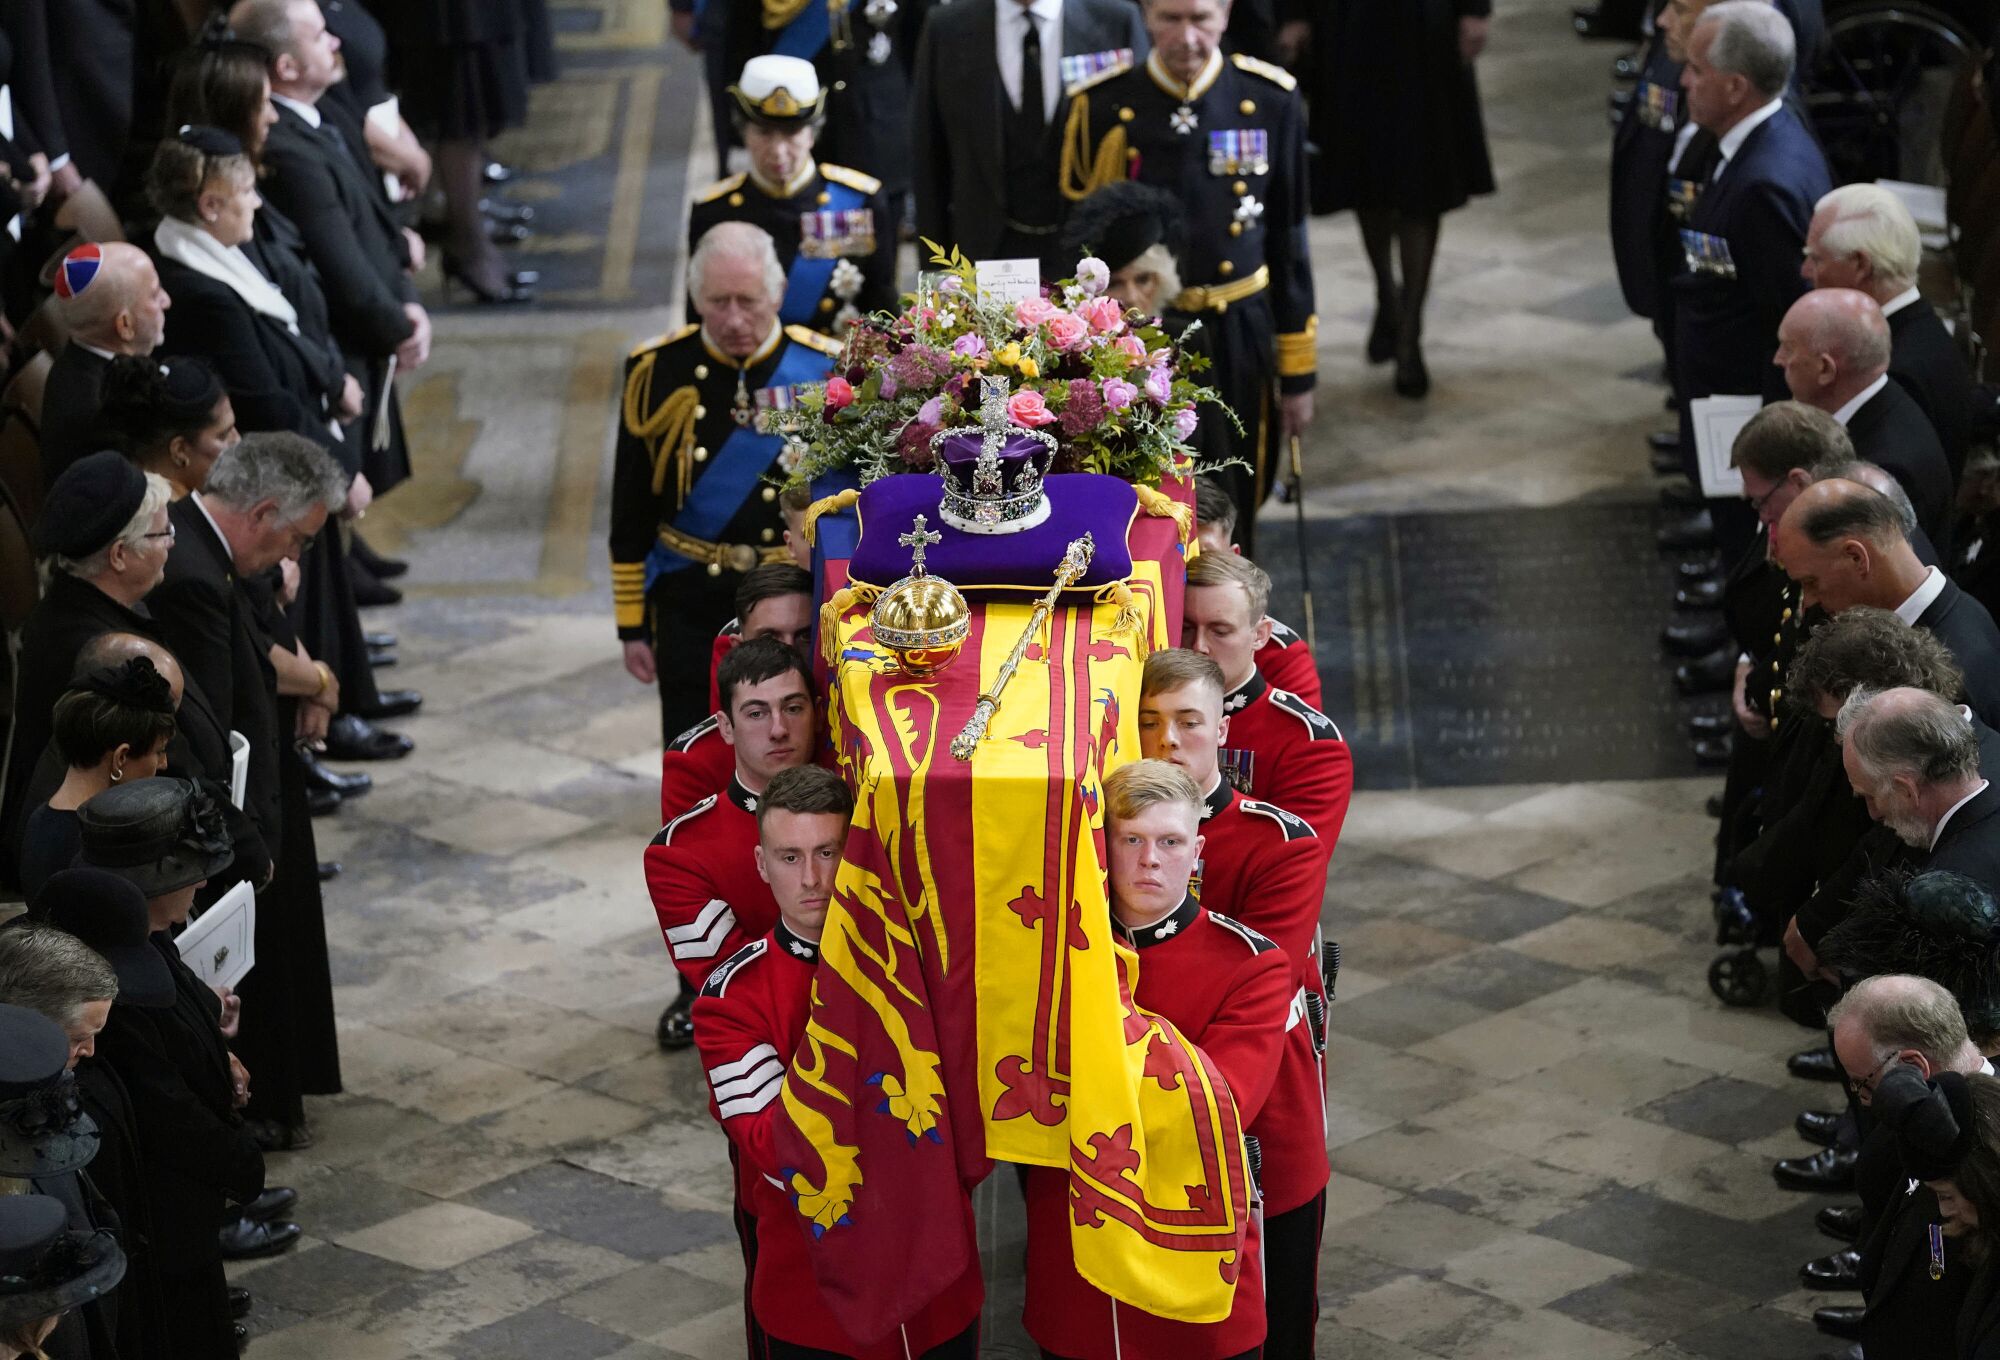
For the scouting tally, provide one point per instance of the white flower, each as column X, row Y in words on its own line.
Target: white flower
column 1093, row 276
column 846, row 281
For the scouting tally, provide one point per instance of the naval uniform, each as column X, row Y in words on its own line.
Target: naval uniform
column 1288, row 663
column 1282, row 750
column 693, row 499
column 1264, row 867
column 748, row 1020
column 835, row 236
column 1642, row 146
column 1225, row 988
column 1231, row 147
column 701, row 870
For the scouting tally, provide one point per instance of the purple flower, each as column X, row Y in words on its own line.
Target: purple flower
column 932, row 412
column 919, row 368
column 950, row 283
column 913, row 446
column 1118, row 394
column 889, row 386
column 969, row 346
column 1159, row 385
column 1185, row 421
column 1083, row 408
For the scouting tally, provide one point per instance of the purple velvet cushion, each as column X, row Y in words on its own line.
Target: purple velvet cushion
column 1079, row 502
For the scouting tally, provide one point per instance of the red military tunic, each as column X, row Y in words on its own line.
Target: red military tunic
column 1264, row 867
column 748, row 1019
column 702, row 872
column 1225, row 987
column 726, row 637
column 696, row 764
column 1288, row 663
column 1282, row 750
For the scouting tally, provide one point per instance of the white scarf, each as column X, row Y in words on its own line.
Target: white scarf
column 195, row 248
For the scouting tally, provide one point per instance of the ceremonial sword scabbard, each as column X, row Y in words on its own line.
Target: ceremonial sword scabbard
column 1075, row 561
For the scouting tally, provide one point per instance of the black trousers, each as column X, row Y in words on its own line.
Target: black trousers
column 684, row 611
column 1255, row 1353
column 964, row 1346
column 746, row 1238
column 1291, row 1280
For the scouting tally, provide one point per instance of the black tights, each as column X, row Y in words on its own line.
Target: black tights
column 1415, row 238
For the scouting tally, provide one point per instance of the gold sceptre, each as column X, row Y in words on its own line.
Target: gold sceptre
column 1075, row 561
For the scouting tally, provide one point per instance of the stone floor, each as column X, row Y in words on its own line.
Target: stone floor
column 1549, row 1140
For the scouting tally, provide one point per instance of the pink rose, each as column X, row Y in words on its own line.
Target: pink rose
column 1028, row 408
column 969, row 346
column 839, row 394
column 1185, row 421
column 1103, row 314
column 1032, row 312
column 1132, row 347
column 1159, row 385
column 1068, row 332
column 932, row 411
column 1119, row 394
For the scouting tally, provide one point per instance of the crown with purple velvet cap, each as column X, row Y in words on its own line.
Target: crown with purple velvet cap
column 993, row 470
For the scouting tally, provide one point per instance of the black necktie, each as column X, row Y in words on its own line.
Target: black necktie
column 1033, row 113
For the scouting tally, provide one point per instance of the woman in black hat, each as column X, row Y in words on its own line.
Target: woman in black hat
column 174, row 419
column 110, row 726
column 165, row 837
column 46, row 1269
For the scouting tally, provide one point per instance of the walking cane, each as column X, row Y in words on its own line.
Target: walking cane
column 1298, row 497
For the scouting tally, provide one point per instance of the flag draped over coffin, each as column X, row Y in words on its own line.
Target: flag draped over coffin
column 971, row 1003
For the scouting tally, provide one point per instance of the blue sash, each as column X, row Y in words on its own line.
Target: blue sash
column 805, row 35
column 806, row 284
column 735, row 469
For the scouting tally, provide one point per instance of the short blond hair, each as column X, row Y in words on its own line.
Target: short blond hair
column 1178, row 667
column 1130, row 789
column 1233, row 569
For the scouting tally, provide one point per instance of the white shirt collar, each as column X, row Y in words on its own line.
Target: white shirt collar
column 1945, row 820
column 1900, row 301
column 1731, row 142
column 1912, row 609
column 305, row 111
column 1682, row 137
column 1045, row 12
column 1861, row 399
column 100, row 353
column 220, row 537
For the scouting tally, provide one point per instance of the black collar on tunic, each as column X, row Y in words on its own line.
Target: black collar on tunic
column 1216, row 801
column 741, row 796
column 1246, row 694
column 796, row 945
column 1167, row 927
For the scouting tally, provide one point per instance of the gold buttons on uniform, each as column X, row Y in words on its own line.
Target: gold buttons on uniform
column 1235, row 228
column 700, row 372
column 1125, row 115
column 700, row 412
column 1133, row 154
column 1225, row 269
column 824, row 198
column 769, row 534
column 715, row 568
column 770, row 493
column 826, row 304
column 1239, row 188
column 839, row 85
column 700, row 454
column 1247, row 106
column 736, row 200
column 1777, row 637
column 1786, row 616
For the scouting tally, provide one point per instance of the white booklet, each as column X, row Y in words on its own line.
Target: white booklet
column 221, row 945
column 1717, row 421
column 239, row 766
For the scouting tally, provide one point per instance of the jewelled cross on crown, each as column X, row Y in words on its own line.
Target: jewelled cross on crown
column 995, row 428
column 917, row 540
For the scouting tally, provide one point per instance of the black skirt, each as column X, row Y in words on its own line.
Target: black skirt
column 460, row 66
column 1394, row 112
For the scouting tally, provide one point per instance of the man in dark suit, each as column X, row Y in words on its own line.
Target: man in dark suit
column 997, row 196
column 1862, row 237
column 110, row 300
column 1843, row 545
column 1742, row 238
column 362, row 254
column 1833, row 346
column 1914, row 759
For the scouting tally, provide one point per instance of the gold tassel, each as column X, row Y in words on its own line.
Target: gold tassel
column 1082, row 174
column 668, row 430
column 827, row 505
column 1131, row 618
column 834, row 609
column 1159, row 504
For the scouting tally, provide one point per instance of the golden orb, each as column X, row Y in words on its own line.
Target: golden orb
column 923, row 621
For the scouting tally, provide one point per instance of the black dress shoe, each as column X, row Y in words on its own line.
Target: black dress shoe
column 1626, row 67
column 1694, row 532
column 1590, row 23
column 1711, row 674
column 246, row 1239
column 1841, row 1222
column 676, row 1027
column 1819, row 1127
column 319, row 776
column 1814, row 1064
column 1711, row 724
column 1382, row 332
column 329, row 870
column 381, row 657
column 370, row 591
column 1825, row 1171
column 383, row 568
column 499, row 210
column 1681, row 497
column 1699, row 568
column 274, row 1136
column 1711, row 752
column 497, row 172
column 1842, row 1270
column 242, row 1335
column 239, row 1302
column 1702, row 594
column 322, row 802
column 1697, row 636
column 1665, row 441
column 393, row 703
column 352, row 737
column 1713, row 807
column 378, row 641
column 1412, row 380
column 1844, row 1323
column 1667, row 464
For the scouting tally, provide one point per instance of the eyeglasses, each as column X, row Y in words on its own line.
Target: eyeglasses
column 1865, row 1089
column 167, row 533
column 1757, row 503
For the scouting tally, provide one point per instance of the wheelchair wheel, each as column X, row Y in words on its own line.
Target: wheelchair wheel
column 1739, row 979
column 1883, row 81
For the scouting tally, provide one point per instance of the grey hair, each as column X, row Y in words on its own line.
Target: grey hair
column 267, row 23
column 735, row 241
column 1753, row 40
column 1915, row 733
column 1876, row 478
column 1898, row 1011
column 1869, row 220
column 52, row 972
column 159, row 493
column 278, row 466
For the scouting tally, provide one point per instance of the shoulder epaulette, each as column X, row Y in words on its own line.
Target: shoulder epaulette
column 665, row 835
column 718, row 980
column 734, row 628
column 1317, row 723
column 853, row 179
column 1295, row 827
column 1283, row 633
column 1259, row 944
column 695, row 733
column 1097, row 78
column 811, row 339
column 663, row 339
column 1277, row 75
column 719, row 188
